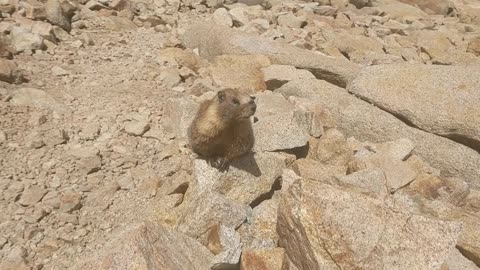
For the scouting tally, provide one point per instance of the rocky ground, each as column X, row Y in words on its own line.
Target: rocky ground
column 367, row 152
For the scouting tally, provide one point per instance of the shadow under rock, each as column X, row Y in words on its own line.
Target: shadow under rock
column 247, row 163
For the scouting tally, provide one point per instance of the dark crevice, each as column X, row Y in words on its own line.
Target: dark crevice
column 277, row 185
column 469, row 255
column 298, row 152
column 458, row 138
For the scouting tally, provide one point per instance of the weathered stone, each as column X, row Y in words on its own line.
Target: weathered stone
column 9, row 72
column 221, row 16
column 315, row 170
column 15, row 260
column 70, row 201
column 137, row 128
column 32, row 195
column 180, row 112
column 210, row 208
column 370, row 181
column 442, row 7
column 102, row 198
column 24, row 40
column 275, row 127
column 451, row 88
column 146, row 245
column 224, row 242
column 456, row 261
column 263, row 259
column 239, row 71
column 341, row 229
column 186, row 58
column 474, row 46
column 277, row 75
column 36, row 98
column 34, row 10
column 260, row 230
column 331, row 149
column 358, row 118
column 291, row 20
column 469, row 242
column 213, row 40
column 451, row 190
column 60, row 13
column 248, row 179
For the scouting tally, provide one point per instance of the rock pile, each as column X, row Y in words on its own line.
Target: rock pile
column 367, row 136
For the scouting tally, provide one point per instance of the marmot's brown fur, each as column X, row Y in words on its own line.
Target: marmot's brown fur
column 222, row 130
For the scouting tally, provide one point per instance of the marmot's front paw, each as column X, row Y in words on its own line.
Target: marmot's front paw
column 219, row 163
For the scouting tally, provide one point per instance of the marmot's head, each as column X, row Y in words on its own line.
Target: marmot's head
column 235, row 105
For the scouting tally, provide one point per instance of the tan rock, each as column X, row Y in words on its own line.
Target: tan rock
column 451, row 88
column 370, row 181
column 360, row 119
column 146, row 245
column 260, row 230
column 213, row 40
column 239, row 71
column 248, row 178
column 224, row 242
column 474, row 46
column 456, row 261
column 277, row 75
column 186, row 58
column 263, row 259
column 315, row 170
column 331, row 149
column 338, row 228
column 276, row 127
column 9, row 72
column 451, row 190
column 443, row 7
column 469, row 242
column 208, row 209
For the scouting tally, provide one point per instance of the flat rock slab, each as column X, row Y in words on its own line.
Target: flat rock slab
column 365, row 122
column 444, row 100
column 213, row 39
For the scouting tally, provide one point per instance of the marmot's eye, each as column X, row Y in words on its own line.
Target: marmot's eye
column 235, row 101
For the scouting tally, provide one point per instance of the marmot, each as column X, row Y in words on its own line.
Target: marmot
column 221, row 130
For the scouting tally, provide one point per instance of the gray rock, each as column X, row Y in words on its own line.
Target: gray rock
column 439, row 99
column 360, row 119
column 276, row 127
column 213, row 40
column 338, row 228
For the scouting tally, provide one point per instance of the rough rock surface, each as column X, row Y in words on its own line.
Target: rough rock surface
column 440, row 99
column 96, row 98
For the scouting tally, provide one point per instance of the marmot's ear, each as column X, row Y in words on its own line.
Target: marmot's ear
column 221, row 96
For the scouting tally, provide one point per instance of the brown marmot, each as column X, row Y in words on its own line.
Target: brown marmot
column 222, row 130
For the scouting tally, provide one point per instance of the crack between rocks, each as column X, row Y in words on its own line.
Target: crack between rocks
column 277, row 185
column 457, row 138
column 468, row 255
